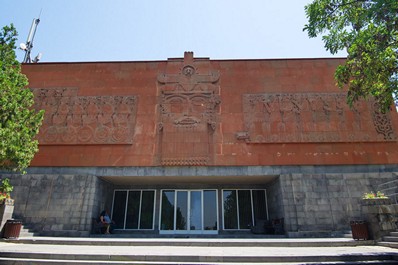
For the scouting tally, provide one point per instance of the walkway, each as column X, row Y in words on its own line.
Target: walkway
column 46, row 250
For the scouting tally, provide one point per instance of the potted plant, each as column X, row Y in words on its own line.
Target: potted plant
column 375, row 198
column 5, row 192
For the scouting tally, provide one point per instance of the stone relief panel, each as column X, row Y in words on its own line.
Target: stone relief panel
column 313, row 117
column 188, row 115
column 73, row 119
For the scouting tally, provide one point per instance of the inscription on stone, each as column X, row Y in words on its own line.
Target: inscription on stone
column 313, row 117
column 73, row 119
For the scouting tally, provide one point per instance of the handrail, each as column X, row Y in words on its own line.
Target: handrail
column 391, row 191
column 388, row 182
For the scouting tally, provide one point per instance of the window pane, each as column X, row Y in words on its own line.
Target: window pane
column 196, row 211
column 167, row 215
column 259, row 205
column 245, row 209
column 182, row 210
column 210, row 210
column 119, row 208
column 133, row 209
column 230, row 211
column 147, row 206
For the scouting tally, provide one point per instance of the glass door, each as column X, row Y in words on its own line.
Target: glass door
column 195, row 211
column 188, row 211
column 182, row 210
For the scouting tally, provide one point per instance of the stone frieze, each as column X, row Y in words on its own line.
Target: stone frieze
column 313, row 117
column 70, row 119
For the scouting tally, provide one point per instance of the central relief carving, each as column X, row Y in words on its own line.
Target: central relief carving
column 188, row 105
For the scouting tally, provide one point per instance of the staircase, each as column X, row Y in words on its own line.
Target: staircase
column 26, row 231
column 390, row 240
column 390, row 189
column 115, row 250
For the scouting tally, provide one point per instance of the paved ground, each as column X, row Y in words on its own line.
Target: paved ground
column 63, row 246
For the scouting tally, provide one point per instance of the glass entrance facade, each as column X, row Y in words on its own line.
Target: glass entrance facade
column 185, row 211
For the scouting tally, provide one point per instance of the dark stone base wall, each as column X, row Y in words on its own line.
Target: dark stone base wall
column 274, row 200
column 312, row 203
column 58, row 205
column 324, row 204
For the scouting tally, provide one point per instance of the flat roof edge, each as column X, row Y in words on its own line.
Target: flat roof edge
column 198, row 58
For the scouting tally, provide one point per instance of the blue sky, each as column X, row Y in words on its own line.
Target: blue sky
column 131, row 30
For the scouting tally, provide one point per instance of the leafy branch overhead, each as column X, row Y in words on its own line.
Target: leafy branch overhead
column 19, row 122
column 368, row 31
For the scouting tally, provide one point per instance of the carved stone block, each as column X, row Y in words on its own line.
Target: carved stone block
column 73, row 119
column 188, row 103
column 313, row 117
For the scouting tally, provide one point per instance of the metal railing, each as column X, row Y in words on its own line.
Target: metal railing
column 390, row 189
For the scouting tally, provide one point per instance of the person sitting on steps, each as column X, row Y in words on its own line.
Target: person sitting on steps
column 106, row 221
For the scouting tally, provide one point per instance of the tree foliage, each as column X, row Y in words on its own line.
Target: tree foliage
column 19, row 123
column 368, row 30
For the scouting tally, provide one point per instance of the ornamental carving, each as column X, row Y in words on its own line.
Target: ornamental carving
column 73, row 119
column 313, row 117
column 188, row 114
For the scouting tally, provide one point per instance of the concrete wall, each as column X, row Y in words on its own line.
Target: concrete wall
column 59, row 204
column 274, row 200
column 324, row 204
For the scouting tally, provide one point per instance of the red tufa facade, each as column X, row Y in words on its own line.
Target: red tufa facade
column 244, row 112
column 199, row 146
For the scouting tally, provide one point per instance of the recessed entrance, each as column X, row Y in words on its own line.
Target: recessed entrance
column 188, row 212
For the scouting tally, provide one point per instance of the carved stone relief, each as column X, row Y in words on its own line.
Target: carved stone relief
column 313, row 117
column 188, row 104
column 73, row 119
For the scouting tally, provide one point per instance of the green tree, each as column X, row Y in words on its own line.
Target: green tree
column 368, row 31
column 19, row 123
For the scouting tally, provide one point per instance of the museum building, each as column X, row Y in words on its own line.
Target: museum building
column 193, row 146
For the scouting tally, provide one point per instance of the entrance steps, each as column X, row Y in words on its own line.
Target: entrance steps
column 26, row 232
column 390, row 240
column 114, row 250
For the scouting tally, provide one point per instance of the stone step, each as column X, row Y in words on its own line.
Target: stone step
column 388, row 244
column 25, row 232
column 38, row 250
column 390, row 238
column 64, row 233
column 114, row 240
column 21, row 261
column 202, row 257
column 347, row 235
column 394, row 234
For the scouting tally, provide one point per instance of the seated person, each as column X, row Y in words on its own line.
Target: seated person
column 106, row 221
